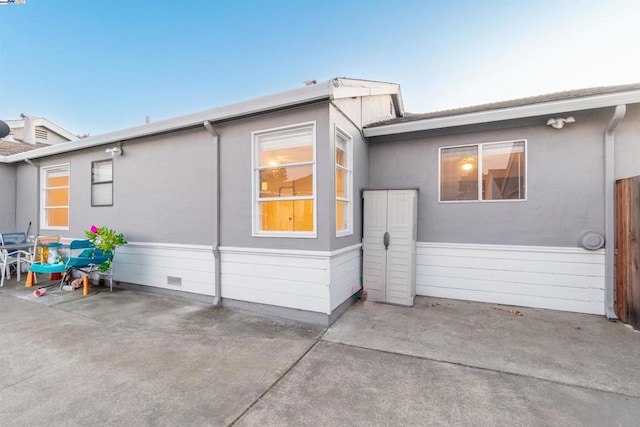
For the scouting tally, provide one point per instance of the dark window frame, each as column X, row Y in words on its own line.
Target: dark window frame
column 95, row 183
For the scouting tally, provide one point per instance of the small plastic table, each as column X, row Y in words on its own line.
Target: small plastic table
column 50, row 255
column 44, row 269
column 51, row 269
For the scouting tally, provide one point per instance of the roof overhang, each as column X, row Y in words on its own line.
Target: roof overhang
column 349, row 88
column 41, row 121
column 331, row 89
column 505, row 114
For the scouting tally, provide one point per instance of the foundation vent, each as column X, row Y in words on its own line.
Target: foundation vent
column 174, row 281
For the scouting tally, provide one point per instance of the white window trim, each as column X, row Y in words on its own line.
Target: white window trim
column 43, row 181
column 349, row 169
column 255, row 186
column 479, row 145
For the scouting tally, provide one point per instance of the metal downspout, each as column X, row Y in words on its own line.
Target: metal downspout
column 609, row 211
column 38, row 183
column 216, row 200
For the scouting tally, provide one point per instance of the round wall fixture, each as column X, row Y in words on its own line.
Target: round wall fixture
column 591, row 240
column 4, row 129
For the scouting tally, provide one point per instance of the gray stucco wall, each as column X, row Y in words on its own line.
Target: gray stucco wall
column 627, row 142
column 360, row 174
column 236, row 179
column 7, row 198
column 564, row 185
column 161, row 191
column 27, row 200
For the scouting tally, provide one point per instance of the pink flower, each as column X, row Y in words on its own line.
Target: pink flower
column 94, row 229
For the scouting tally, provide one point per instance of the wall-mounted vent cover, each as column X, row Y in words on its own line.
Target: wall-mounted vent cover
column 41, row 133
column 591, row 240
column 174, row 281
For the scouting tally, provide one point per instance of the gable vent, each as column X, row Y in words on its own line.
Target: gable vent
column 41, row 134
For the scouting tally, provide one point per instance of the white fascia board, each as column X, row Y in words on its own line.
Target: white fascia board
column 55, row 128
column 41, row 121
column 254, row 106
column 348, row 88
column 13, row 124
column 351, row 91
column 532, row 110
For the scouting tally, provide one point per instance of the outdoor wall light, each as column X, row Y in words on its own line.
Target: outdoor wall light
column 560, row 122
column 114, row 151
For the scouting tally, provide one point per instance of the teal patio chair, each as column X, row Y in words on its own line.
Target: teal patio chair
column 87, row 260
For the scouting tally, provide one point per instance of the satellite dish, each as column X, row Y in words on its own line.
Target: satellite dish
column 4, row 129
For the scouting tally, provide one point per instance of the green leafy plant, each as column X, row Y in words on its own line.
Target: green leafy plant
column 107, row 240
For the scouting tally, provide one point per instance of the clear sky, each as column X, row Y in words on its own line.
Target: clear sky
column 98, row 66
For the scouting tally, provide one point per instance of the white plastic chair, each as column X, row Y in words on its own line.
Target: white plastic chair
column 13, row 257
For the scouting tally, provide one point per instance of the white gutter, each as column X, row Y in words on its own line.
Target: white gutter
column 330, row 89
column 282, row 100
column 510, row 113
column 609, row 211
column 216, row 210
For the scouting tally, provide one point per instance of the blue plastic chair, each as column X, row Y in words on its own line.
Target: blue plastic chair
column 87, row 260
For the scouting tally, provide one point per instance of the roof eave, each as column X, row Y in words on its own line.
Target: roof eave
column 349, row 88
column 59, row 130
column 41, row 121
column 272, row 102
column 510, row 113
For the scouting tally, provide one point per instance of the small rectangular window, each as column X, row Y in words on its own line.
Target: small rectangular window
column 483, row 172
column 102, row 183
column 54, row 212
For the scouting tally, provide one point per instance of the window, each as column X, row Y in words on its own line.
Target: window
column 284, row 181
column 54, row 213
column 483, row 172
column 344, row 183
column 102, row 183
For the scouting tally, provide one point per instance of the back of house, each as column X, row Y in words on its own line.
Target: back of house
column 259, row 204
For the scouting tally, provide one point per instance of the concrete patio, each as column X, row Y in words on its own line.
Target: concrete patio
column 133, row 358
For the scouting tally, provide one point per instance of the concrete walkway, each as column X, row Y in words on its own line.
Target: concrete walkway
column 130, row 358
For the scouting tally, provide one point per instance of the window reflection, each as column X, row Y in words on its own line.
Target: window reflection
column 500, row 166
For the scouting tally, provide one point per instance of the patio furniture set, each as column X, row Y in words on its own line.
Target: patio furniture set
column 43, row 256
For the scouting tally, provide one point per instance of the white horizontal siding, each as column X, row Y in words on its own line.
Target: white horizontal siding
column 150, row 264
column 569, row 279
column 293, row 279
column 306, row 280
column 345, row 275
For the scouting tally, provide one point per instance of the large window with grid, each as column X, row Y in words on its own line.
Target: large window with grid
column 483, row 172
column 284, row 185
column 54, row 198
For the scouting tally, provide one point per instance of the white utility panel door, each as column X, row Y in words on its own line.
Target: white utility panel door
column 389, row 245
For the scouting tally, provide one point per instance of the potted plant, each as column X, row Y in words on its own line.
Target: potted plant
column 106, row 240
